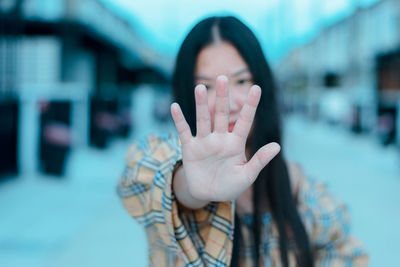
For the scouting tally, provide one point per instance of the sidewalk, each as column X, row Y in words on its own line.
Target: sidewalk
column 74, row 221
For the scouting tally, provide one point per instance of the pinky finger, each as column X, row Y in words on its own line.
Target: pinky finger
column 180, row 123
column 260, row 159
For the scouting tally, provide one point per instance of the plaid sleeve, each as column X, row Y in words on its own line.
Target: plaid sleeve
column 328, row 224
column 199, row 237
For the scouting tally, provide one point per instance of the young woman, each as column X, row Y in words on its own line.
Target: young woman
column 222, row 194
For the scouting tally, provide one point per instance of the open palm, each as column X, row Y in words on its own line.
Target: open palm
column 214, row 161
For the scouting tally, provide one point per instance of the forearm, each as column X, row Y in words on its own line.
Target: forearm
column 182, row 193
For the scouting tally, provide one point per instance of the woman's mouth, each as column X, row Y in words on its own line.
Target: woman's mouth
column 231, row 126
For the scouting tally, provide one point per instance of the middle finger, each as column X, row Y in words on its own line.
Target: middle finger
column 221, row 120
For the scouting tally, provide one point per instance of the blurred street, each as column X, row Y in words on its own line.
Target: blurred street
column 78, row 220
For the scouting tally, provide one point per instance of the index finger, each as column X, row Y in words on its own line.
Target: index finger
column 246, row 116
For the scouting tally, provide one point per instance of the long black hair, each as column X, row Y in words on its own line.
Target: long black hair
column 273, row 180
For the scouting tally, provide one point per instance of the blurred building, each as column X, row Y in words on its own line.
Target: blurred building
column 67, row 68
column 349, row 73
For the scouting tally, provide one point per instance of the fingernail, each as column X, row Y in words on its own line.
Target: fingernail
column 256, row 90
column 200, row 87
column 174, row 107
column 222, row 78
column 275, row 146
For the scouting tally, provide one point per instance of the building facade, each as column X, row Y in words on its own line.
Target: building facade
column 335, row 76
column 66, row 72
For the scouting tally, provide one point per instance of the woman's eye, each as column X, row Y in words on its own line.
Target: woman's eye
column 243, row 81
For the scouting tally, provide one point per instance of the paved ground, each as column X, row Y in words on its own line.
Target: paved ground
column 79, row 220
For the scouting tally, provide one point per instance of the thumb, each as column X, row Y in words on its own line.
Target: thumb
column 260, row 159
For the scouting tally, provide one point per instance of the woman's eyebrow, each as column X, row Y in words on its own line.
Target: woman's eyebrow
column 236, row 73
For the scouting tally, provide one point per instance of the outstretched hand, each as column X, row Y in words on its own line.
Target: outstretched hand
column 214, row 161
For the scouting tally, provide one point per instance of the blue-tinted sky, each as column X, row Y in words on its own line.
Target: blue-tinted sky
column 279, row 24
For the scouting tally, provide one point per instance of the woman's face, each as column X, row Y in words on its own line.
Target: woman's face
column 222, row 58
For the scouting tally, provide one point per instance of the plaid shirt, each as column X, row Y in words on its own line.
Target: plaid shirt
column 181, row 237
